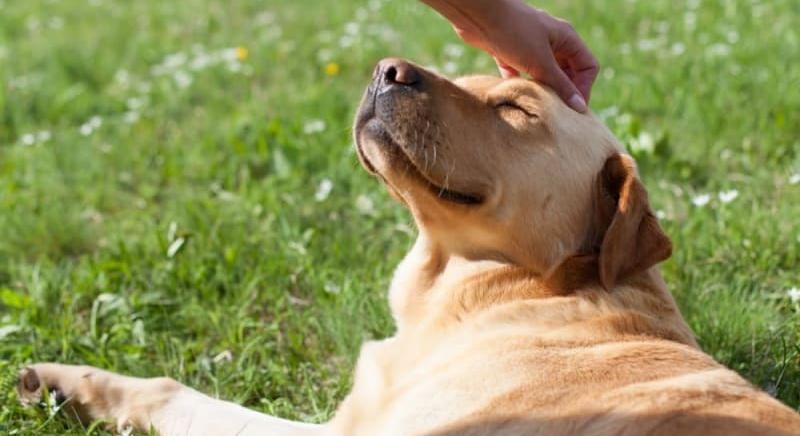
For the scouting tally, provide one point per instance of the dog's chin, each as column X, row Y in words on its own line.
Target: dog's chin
column 381, row 155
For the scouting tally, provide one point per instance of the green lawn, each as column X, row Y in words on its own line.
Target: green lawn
column 179, row 194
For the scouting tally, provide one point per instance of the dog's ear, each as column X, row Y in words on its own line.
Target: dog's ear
column 629, row 236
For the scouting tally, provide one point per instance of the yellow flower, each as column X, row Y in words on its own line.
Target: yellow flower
column 332, row 69
column 241, row 53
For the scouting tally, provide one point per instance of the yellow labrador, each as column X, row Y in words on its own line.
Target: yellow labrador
column 530, row 304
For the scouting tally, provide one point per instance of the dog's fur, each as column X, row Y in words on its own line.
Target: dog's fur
column 529, row 304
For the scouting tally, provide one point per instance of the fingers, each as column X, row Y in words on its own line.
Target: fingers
column 557, row 79
column 506, row 71
column 585, row 73
column 572, row 51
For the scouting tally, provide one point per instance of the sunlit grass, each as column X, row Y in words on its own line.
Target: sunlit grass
column 177, row 183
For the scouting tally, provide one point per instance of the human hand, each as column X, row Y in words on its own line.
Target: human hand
column 528, row 40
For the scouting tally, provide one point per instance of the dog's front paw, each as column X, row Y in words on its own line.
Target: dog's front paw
column 31, row 390
column 90, row 394
column 66, row 385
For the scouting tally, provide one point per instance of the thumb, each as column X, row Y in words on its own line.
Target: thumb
column 506, row 71
column 563, row 86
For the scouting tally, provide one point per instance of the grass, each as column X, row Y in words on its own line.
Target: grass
column 189, row 222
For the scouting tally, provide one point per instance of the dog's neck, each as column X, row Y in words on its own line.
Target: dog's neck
column 430, row 278
column 433, row 290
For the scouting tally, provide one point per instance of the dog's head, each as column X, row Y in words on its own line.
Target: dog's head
column 503, row 170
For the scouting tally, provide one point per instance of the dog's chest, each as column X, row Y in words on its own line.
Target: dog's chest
column 415, row 388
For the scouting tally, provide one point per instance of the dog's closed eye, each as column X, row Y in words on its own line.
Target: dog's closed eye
column 514, row 106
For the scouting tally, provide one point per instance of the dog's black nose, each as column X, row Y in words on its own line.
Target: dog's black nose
column 393, row 71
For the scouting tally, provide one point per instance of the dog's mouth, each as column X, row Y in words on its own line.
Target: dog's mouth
column 382, row 136
column 442, row 192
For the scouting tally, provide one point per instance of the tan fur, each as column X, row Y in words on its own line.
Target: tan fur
column 539, row 311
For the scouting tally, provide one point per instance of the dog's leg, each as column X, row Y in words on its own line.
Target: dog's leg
column 160, row 404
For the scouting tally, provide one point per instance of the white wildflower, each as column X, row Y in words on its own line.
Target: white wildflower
column 33, row 24
column 660, row 214
column 453, row 50
column 182, row 79
column 130, row 117
column 144, row 87
column 450, row 67
column 223, row 357
column 793, row 294
column 175, row 247
column 28, row 139
column 701, row 200
column 313, row 126
column 365, row 205
column 123, row 77
column 718, row 50
column 25, row 81
column 677, row 49
column 174, row 60
column 135, row 103
column 794, row 179
column 52, row 405
column 234, row 67
column 352, row 28
column 229, row 54
column 332, row 288
column 264, row 18
column 643, row 143
column 90, row 126
column 201, row 61
column 690, row 21
column 8, row 330
column 346, row 41
column 728, row 196
column 324, row 55
column 323, row 190
column 92, row 215
column 126, row 429
column 608, row 113
column 648, row 44
column 388, row 34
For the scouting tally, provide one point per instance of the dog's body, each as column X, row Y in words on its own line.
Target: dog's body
column 530, row 303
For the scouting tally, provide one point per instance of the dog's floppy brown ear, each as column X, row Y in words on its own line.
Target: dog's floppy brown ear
column 633, row 240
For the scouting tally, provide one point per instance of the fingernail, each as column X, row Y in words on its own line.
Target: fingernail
column 577, row 102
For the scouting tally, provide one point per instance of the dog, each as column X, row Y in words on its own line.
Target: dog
column 530, row 304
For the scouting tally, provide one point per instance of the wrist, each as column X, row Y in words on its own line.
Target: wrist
column 475, row 17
